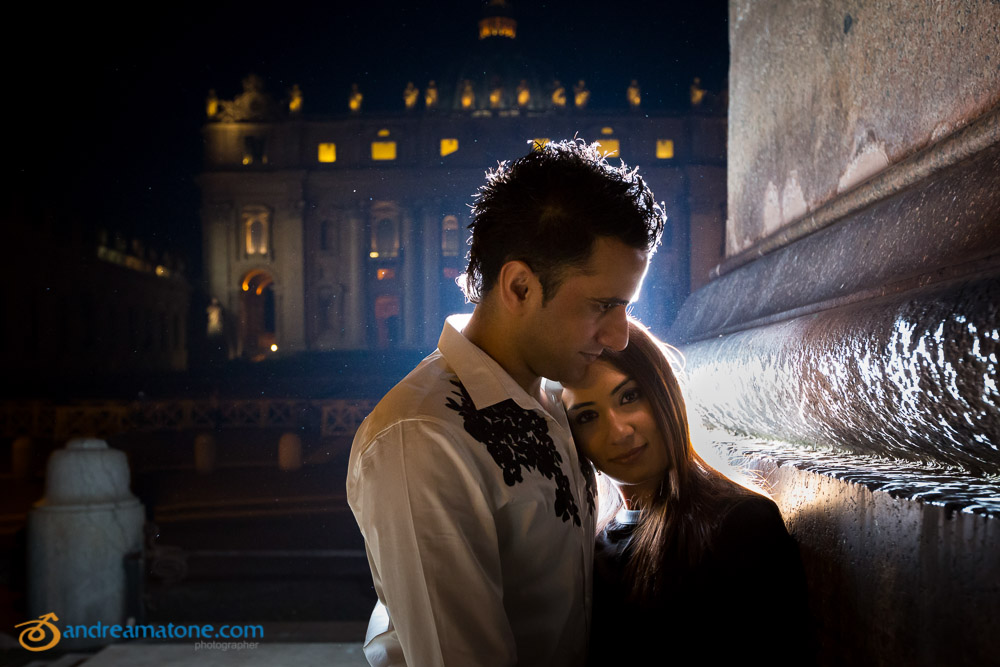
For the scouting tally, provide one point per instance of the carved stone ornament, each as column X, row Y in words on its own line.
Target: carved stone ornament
column 254, row 104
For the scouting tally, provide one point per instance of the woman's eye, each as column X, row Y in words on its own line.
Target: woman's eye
column 585, row 417
column 630, row 396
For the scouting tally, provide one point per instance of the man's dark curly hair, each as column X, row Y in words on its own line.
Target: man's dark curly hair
column 547, row 208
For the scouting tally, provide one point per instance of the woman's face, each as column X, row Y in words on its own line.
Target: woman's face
column 613, row 424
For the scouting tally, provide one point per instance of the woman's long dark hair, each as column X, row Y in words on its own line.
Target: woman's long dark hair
column 680, row 520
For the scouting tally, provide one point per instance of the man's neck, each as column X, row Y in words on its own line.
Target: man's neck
column 489, row 334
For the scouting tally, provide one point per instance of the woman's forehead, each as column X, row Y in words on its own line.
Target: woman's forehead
column 600, row 376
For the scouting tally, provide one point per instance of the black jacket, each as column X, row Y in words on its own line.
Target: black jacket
column 746, row 599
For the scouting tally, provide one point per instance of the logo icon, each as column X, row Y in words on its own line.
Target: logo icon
column 31, row 638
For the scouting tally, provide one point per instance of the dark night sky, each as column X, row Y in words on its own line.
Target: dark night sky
column 108, row 104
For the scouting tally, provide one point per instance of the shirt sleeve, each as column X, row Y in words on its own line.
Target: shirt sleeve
column 432, row 544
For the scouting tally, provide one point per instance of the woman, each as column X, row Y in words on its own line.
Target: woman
column 682, row 551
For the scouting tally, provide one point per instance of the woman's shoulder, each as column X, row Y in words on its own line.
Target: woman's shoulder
column 750, row 519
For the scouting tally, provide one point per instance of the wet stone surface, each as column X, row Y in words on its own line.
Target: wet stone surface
column 932, row 484
column 913, row 377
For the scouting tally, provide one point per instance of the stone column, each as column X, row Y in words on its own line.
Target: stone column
column 78, row 537
column 220, row 252
column 353, row 250
column 431, row 247
column 289, row 290
column 413, row 313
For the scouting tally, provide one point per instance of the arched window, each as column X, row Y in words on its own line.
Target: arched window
column 256, row 229
column 449, row 236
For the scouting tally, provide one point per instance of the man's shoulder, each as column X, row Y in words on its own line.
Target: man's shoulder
column 422, row 395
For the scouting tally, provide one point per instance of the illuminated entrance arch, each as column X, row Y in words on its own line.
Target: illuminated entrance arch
column 257, row 315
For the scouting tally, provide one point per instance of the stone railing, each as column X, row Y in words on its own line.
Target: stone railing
column 40, row 419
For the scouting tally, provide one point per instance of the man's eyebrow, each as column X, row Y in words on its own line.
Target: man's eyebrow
column 613, row 301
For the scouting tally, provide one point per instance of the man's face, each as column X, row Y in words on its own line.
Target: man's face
column 563, row 336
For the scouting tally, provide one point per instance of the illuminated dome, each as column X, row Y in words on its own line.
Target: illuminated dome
column 498, row 76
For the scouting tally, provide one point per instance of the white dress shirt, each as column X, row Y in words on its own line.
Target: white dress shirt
column 477, row 516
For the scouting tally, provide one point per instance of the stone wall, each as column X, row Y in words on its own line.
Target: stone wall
column 824, row 95
column 851, row 337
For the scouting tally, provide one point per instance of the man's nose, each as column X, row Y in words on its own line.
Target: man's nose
column 613, row 333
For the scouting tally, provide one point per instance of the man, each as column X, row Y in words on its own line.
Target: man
column 477, row 514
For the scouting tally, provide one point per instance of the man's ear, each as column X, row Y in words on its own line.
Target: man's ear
column 517, row 286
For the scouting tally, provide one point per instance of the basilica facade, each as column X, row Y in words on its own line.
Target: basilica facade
column 347, row 230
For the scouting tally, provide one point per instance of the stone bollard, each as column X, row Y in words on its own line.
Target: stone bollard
column 20, row 457
column 290, row 452
column 78, row 537
column 204, row 453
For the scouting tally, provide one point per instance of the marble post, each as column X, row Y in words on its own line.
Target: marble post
column 78, row 537
column 289, row 452
column 204, row 453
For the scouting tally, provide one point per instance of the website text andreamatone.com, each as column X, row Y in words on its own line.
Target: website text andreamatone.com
column 167, row 631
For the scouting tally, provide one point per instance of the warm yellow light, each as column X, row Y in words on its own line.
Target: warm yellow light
column 609, row 147
column 383, row 150
column 497, row 26
column 383, row 274
column 538, row 144
column 161, row 270
column 328, row 152
column 246, row 286
column 607, row 131
column 274, row 347
column 246, row 159
column 373, row 254
column 448, row 146
column 664, row 149
column 383, row 132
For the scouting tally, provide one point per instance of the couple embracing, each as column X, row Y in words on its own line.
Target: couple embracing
column 490, row 538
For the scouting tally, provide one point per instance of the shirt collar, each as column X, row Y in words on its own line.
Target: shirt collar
column 627, row 517
column 485, row 380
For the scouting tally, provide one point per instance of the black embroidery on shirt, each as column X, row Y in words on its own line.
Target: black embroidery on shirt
column 587, row 468
column 517, row 439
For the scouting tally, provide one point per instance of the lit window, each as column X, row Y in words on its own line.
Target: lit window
column 537, row 144
column 449, row 272
column 383, row 150
column 448, row 146
column 383, row 132
column 664, row 149
column 385, row 274
column 607, row 131
column 449, row 236
column 256, row 220
column 609, row 147
column 328, row 152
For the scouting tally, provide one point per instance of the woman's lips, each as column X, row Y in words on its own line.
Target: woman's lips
column 631, row 455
